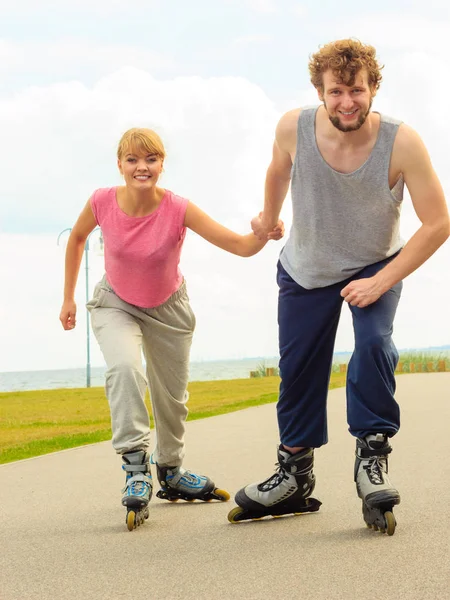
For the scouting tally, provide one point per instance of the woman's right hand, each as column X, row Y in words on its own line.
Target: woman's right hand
column 68, row 314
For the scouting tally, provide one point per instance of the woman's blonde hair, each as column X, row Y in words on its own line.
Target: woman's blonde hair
column 142, row 141
column 345, row 58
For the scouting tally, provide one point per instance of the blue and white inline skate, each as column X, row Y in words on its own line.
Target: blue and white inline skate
column 372, row 483
column 138, row 487
column 180, row 484
column 288, row 491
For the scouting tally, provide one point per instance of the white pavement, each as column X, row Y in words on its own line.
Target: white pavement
column 63, row 533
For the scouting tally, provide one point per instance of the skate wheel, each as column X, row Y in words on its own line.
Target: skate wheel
column 375, row 527
column 221, row 495
column 190, row 499
column 234, row 514
column 131, row 520
column 390, row 522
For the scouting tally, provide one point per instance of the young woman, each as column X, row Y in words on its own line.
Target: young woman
column 141, row 305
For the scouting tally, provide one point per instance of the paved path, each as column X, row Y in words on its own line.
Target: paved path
column 63, row 533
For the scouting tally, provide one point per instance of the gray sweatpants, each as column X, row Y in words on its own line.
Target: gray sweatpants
column 164, row 335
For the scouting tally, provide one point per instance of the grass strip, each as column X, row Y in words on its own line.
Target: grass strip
column 33, row 423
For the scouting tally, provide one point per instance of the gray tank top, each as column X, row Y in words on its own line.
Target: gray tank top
column 342, row 222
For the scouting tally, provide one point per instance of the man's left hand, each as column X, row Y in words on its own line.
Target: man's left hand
column 362, row 292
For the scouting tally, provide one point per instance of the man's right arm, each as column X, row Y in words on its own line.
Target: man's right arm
column 278, row 175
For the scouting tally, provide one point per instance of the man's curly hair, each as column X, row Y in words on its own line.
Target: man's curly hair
column 345, row 58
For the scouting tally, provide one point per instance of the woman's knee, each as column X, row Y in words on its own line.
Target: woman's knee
column 125, row 369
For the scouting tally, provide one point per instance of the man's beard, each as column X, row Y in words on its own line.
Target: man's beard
column 346, row 128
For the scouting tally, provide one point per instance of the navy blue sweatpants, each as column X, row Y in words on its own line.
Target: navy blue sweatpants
column 308, row 321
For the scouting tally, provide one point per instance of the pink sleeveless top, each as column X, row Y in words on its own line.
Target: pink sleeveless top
column 142, row 254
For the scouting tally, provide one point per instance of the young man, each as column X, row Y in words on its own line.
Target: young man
column 347, row 167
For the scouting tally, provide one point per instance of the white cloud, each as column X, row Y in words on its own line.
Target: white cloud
column 77, row 55
column 92, row 7
column 300, row 10
column 256, row 38
column 300, row 98
column 392, row 30
column 263, row 6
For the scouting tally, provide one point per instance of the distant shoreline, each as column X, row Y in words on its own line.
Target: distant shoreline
column 269, row 359
column 194, row 362
column 211, row 370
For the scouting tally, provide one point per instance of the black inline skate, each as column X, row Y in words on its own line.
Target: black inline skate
column 373, row 485
column 285, row 492
column 138, row 487
column 179, row 484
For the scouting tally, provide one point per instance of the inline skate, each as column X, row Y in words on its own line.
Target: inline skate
column 288, row 491
column 372, row 483
column 138, row 487
column 180, row 484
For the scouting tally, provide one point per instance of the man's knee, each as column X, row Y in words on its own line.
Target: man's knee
column 375, row 342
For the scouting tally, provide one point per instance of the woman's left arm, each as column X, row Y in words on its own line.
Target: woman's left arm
column 213, row 232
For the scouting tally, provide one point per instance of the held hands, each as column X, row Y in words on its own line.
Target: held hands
column 362, row 292
column 68, row 315
column 277, row 232
column 263, row 232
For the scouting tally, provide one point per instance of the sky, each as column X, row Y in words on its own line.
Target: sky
column 212, row 78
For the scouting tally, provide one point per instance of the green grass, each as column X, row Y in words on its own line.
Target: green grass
column 33, row 423
column 424, row 362
column 417, row 361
